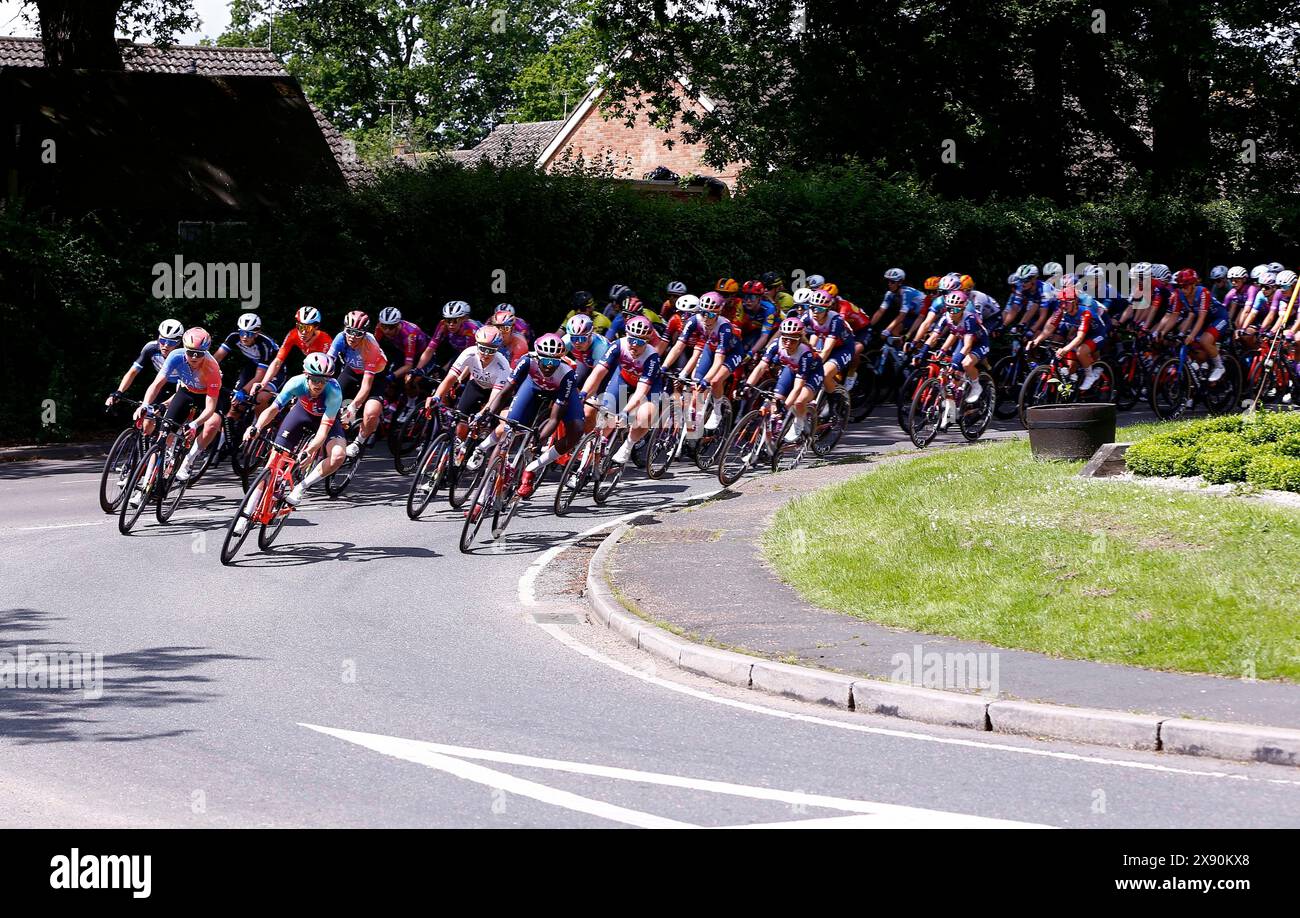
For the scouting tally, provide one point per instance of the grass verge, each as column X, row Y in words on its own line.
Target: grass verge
column 990, row 545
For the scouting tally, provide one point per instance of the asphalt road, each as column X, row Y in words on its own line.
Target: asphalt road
column 365, row 673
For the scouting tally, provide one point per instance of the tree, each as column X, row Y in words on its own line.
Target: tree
column 456, row 68
column 82, row 33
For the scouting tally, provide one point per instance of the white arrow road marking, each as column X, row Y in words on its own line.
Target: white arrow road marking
column 450, row 759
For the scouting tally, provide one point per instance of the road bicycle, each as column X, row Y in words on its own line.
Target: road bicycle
column 264, row 505
column 1058, row 382
column 1182, row 381
column 591, row 462
column 1009, row 373
column 941, row 400
column 153, row 479
column 497, row 494
column 443, row 464
column 758, row 437
column 414, row 426
column 679, row 422
column 123, row 457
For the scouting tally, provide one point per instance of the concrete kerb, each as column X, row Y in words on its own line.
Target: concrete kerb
column 54, row 451
column 1120, row 729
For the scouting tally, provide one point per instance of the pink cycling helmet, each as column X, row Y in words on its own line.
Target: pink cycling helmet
column 713, row 301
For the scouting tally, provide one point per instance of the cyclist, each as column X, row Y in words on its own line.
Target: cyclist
column 684, row 309
column 520, row 326
column 1277, row 307
column 197, row 376
column 618, row 294
column 402, row 342
column 1220, row 284
column 1150, row 299
column 629, row 362
column 1195, row 312
column 1257, row 310
column 632, row 306
column 258, row 350
column 732, row 310
column 718, row 351
column 584, row 347
column 1240, row 294
column 306, row 336
column 899, row 311
column 800, row 376
column 482, row 374
column 759, row 314
column 989, row 309
column 1083, row 329
column 775, row 285
column 967, row 339
column 317, row 398
column 830, row 336
column 154, row 354
column 675, row 289
column 934, row 315
column 359, row 357
column 453, row 333
column 931, row 291
column 1029, row 294
column 585, row 304
column 515, row 345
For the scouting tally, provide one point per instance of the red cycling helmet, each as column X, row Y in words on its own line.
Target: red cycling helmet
column 1186, row 276
column 753, row 288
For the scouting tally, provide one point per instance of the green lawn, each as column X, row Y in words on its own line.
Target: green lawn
column 987, row 544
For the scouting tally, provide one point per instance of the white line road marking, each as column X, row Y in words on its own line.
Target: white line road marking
column 868, row 813
column 57, row 526
column 424, row 754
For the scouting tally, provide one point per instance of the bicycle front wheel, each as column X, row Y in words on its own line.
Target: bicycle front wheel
column 742, row 448
column 140, row 489
column 428, row 478
column 118, row 465
column 927, row 412
column 482, row 503
column 577, row 473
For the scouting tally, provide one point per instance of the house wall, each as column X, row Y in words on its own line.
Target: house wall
column 636, row 150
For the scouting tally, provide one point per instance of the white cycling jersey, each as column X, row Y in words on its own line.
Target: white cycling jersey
column 496, row 375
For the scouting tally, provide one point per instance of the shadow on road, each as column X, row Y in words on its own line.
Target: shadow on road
column 153, row 677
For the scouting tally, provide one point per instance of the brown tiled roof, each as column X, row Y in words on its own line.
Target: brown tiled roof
column 515, row 143
column 205, row 61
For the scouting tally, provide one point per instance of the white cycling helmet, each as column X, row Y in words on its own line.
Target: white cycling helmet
column 1013, row 279
column 1141, row 269
column 1286, row 279
column 318, row 364
column 688, row 303
column 1053, row 268
column 1218, row 272
column 638, row 327
column 170, row 328
column 1026, row 272
column 1236, row 271
column 792, row 328
column 455, row 309
column 1258, row 271
column 308, row 315
column 815, row 280
column 895, row 275
column 390, row 315
column 802, row 296
column 249, row 322
column 950, row 282
column 579, row 325
column 1160, row 272
column 1276, row 267
column 1268, row 279
column 676, row 288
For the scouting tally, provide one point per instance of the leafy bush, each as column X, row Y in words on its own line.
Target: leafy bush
column 1223, row 457
column 1279, row 473
column 1161, row 456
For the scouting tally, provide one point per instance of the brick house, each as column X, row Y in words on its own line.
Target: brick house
column 588, row 138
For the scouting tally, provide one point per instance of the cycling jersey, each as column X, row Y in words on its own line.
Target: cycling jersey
column 1257, row 307
column 205, row 379
column 969, row 323
column 524, row 329
column 585, row 361
column 1030, row 295
column 404, row 345
column 259, row 353
column 1086, row 319
column 832, row 327
column 496, row 375
column 366, row 358
column 633, row 369
column 801, row 362
column 516, row 347
column 327, row 404
column 556, row 383
column 853, row 317
column 722, row 337
column 907, row 300
column 988, row 307
column 1239, row 298
column 784, row 303
column 320, row 342
column 1200, row 302
column 759, row 316
column 457, row 340
column 151, row 355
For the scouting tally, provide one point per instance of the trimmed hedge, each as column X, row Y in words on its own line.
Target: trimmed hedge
column 1263, row 450
column 416, row 238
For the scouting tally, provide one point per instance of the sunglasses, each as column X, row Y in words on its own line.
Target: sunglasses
column 353, row 332
column 579, row 339
column 709, row 314
column 789, row 339
column 317, row 378
column 304, row 326
column 195, row 355
column 169, row 342
column 821, row 309
column 548, row 363
column 486, row 351
column 248, row 334
column 636, row 342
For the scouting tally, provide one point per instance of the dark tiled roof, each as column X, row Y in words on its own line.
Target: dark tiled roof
column 205, row 61
column 516, row 143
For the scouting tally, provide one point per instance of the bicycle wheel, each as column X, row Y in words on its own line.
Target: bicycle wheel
column 927, row 411
column 1171, row 391
column 429, row 476
column 974, row 419
column 118, row 465
column 577, row 473
column 663, row 440
column 828, row 430
column 143, row 482
column 482, row 504
column 171, row 490
column 742, row 448
column 786, row 455
column 508, row 504
column 1037, row 389
column 247, row 508
column 336, row 483
column 1224, row 395
column 268, row 531
column 404, row 440
column 710, row 442
column 1006, row 398
column 609, row 472
column 905, row 392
